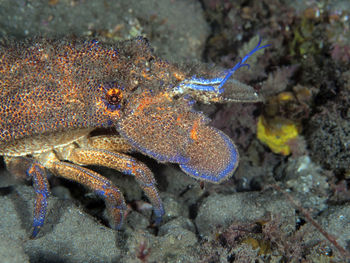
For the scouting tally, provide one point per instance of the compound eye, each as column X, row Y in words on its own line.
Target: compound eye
column 114, row 96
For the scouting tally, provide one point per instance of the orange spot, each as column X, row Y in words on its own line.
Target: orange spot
column 178, row 76
column 146, row 75
column 144, row 103
column 113, row 113
column 139, row 60
column 194, row 131
column 167, row 96
column 179, row 119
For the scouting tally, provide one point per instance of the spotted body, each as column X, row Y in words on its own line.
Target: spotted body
column 54, row 94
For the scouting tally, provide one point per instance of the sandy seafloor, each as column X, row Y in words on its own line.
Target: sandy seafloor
column 304, row 77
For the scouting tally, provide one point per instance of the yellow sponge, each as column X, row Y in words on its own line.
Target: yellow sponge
column 277, row 134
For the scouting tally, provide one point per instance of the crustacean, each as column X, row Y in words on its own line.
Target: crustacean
column 54, row 93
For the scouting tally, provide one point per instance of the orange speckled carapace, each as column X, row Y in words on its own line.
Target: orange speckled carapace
column 54, row 93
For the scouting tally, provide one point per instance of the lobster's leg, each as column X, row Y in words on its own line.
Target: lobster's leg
column 37, row 173
column 125, row 164
column 110, row 142
column 115, row 202
column 41, row 187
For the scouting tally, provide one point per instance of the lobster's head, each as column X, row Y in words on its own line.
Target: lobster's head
column 157, row 118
